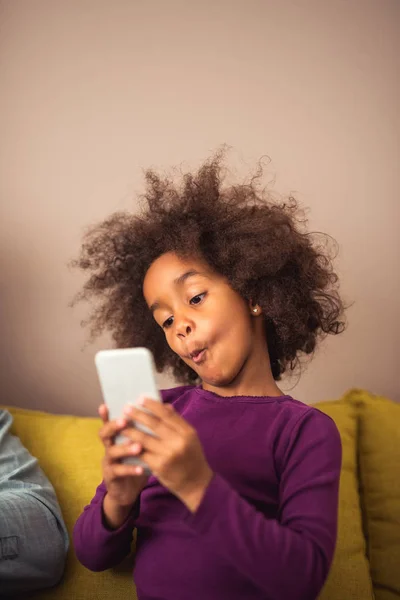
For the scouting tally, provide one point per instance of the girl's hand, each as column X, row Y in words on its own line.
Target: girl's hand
column 124, row 482
column 175, row 456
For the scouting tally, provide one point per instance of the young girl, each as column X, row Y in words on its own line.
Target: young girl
column 226, row 290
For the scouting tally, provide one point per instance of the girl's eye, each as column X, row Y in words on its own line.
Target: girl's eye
column 194, row 301
column 197, row 299
column 167, row 323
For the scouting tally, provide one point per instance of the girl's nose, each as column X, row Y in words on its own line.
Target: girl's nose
column 183, row 327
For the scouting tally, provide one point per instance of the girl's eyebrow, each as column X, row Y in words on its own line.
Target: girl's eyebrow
column 182, row 278
column 179, row 281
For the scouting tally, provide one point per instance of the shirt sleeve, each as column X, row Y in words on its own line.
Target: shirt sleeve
column 33, row 537
column 288, row 557
column 97, row 547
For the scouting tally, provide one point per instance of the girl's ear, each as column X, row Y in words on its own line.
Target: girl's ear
column 255, row 309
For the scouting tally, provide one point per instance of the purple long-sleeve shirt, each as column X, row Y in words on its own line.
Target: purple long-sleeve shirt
column 266, row 526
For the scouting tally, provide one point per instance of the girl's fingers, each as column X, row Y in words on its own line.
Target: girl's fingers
column 144, row 439
column 121, row 470
column 103, row 413
column 118, row 451
column 166, row 413
column 151, row 460
column 110, row 429
column 158, row 427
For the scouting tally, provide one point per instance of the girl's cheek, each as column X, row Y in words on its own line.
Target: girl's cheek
column 171, row 342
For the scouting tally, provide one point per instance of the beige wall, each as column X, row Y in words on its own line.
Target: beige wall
column 94, row 91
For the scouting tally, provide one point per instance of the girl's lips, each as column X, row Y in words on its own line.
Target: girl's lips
column 197, row 358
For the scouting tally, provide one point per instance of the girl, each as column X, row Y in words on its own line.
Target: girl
column 226, row 290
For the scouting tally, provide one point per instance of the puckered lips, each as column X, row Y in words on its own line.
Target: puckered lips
column 197, row 354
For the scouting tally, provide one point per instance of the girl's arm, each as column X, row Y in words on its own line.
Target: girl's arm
column 97, row 546
column 288, row 557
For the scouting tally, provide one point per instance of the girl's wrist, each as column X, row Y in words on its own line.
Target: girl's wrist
column 192, row 497
column 114, row 514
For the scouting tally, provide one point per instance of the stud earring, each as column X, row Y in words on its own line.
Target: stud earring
column 255, row 310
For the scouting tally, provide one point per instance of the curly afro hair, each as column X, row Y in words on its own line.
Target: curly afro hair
column 258, row 244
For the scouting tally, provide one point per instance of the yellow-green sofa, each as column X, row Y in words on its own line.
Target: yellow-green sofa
column 367, row 559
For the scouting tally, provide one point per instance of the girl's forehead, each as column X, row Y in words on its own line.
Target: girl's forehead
column 171, row 269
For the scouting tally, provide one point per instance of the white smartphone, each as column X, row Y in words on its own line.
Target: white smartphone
column 126, row 374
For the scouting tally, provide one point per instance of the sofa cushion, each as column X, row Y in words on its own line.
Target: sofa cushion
column 379, row 456
column 69, row 451
column 349, row 577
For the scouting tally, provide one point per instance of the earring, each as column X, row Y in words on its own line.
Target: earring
column 255, row 310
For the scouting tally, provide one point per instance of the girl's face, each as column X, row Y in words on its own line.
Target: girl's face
column 209, row 325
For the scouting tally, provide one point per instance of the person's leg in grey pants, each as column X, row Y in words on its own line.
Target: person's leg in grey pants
column 33, row 537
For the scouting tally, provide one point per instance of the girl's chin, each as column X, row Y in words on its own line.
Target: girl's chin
column 211, row 373
column 215, row 379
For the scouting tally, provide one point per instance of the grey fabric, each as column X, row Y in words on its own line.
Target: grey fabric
column 33, row 537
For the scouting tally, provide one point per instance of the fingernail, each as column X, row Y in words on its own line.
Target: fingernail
column 128, row 409
column 139, row 470
column 120, row 422
column 135, row 447
column 141, row 400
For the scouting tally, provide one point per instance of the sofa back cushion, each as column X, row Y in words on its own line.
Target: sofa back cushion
column 349, row 577
column 379, row 457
